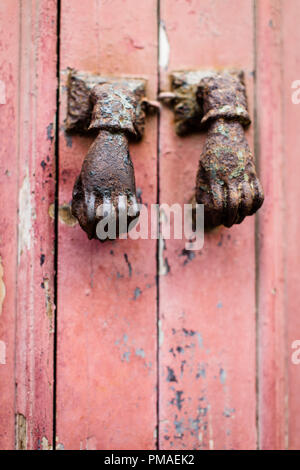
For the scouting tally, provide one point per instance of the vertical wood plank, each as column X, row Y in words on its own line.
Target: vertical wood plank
column 106, row 369
column 27, row 238
column 36, row 180
column 9, row 32
column 207, row 298
column 291, row 61
column 271, row 287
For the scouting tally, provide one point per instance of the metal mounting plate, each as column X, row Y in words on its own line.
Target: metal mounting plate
column 187, row 109
column 80, row 108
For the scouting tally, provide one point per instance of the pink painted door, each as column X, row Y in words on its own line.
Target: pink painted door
column 140, row 344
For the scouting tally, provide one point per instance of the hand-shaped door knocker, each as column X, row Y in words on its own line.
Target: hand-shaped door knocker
column 114, row 110
column 226, row 182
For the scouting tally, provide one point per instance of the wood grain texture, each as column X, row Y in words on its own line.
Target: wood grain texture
column 28, row 169
column 291, row 113
column 207, row 299
column 106, row 369
column 271, row 242
column 36, row 179
column 8, row 234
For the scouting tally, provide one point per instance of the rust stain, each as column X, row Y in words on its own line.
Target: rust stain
column 2, row 286
column 64, row 214
column 21, row 432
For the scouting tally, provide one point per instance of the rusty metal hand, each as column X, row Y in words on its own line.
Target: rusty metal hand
column 226, row 182
column 107, row 174
column 106, row 184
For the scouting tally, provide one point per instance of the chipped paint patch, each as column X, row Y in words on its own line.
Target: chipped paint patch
column 2, row 92
column 222, row 376
column 228, row 412
column 45, row 444
column 160, row 334
column 164, row 267
column 140, row 352
column 2, row 286
column 164, row 46
column 49, row 131
column 2, row 353
column 58, row 445
column 21, row 432
column 137, row 293
column 51, row 211
column 49, row 304
column 64, row 214
column 25, row 217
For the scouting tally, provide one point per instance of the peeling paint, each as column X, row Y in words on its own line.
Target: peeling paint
column 178, row 427
column 25, row 217
column 2, row 92
column 178, row 400
column 58, row 445
column 2, row 286
column 2, row 352
column 140, row 352
column 160, row 334
column 164, row 267
column 49, row 304
column 64, row 214
column 228, row 412
column 49, row 130
column 137, row 293
column 51, row 211
column 164, row 46
column 171, row 377
column 45, row 444
column 128, row 264
column 21, row 432
column 222, row 376
column 126, row 356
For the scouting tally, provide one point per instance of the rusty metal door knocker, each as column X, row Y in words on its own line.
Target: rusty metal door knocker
column 226, row 181
column 113, row 109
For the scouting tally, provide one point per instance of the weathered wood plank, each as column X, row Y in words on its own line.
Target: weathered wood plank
column 35, row 309
column 8, row 240
column 28, row 231
column 207, row 298
column 271, row 285
column 106, row 370
column 291, row 113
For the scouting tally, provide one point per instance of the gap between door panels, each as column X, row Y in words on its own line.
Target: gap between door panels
column 56, row 202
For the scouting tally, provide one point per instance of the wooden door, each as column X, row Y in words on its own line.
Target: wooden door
column 140, row 344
